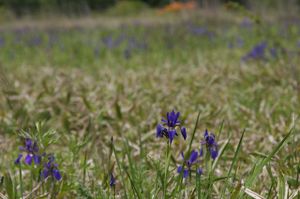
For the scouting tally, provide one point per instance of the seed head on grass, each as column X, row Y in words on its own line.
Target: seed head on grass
column 210, row 143
column 193, row 159
column 32, row 150
column 168, row 127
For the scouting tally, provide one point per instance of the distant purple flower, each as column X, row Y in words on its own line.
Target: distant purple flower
column 189, row 163
column 51, row 169
column 168, row 128
column 112, row 180
column 246, row 23
column 32, row 150
column 257, row 52
column 35, row 41
column 211, row 145
column 2, row 41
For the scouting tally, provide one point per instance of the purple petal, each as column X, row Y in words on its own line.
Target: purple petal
column 28, row 159
column 205, row 133
column 172, row 134
column 201, row 152
column 199, row 171
column 193, row 157
column 213, row 153
column 179, row 169
column 45, row 173
column 159, row 130
column 18, row 160
column 56, row 174
column 21, row 148
column 177, row 115
column 28, row 143
column 185, row 173
column 37, row 159
column 112, row 180
column 183, row 132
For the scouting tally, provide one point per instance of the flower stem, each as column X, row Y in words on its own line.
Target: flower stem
column 21, row 181
column 168, row 158
column 198, row 184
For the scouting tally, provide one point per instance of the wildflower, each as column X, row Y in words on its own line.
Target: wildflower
column 18, row 160
column 51, row 169
column 112, row 180
column 189, row 163
column 168, row 128
column 210, row 143
column 257, row 52
column 32, row 150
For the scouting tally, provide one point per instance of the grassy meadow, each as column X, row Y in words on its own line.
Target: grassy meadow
column 91, row 92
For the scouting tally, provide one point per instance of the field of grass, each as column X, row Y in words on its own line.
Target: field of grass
column 92, row 95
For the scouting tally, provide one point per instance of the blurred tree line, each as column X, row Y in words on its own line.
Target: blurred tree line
column 81, row 7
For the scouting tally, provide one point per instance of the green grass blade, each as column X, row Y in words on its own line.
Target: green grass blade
column 9, row 186
column 194, row 131
column 258, row 169
column 234, row 161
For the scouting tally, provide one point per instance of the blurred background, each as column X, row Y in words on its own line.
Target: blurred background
column 21, row 8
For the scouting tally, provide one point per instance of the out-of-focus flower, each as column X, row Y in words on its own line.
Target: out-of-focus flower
column 210, row 143
column 189, row 163
column 32, row 150
column 51, row 169
column 257, row 52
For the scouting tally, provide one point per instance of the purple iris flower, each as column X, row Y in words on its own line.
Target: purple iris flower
column 189, row 163
column 172, row 119
column 51, row 169
column 112, row 180
column 168, row 128
column 32, row 150
column 257, row 52
column 211, row 144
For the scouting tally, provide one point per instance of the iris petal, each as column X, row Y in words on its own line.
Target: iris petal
column 199, row 171
column 28, row 159
column 56, row 174
column 45, row 173
column 159, row 130
column 18, row 160
column 213, row 153
column 172, row 134
column 185, row 173
column 37, row 159
column 183, row 132
column 193, row 157
column 179, row 169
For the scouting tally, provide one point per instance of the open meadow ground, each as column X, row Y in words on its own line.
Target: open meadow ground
column 92, row 93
